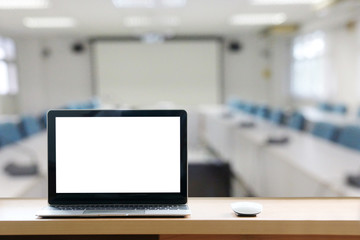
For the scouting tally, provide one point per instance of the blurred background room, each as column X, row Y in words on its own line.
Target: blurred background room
column 271, row 87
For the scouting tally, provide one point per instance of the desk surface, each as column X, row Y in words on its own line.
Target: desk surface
column 327, row 216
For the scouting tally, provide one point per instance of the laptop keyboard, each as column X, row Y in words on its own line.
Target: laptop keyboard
column 122, row 207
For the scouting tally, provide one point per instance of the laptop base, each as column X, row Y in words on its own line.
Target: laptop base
column 145, row 210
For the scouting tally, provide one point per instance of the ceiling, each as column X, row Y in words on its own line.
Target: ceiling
column 101, row 18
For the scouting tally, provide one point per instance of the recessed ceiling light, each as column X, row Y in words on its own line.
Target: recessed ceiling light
column 49, row 22
column 137, row 21
column 23, row 4
column 148, row 3
column 258, row 19
column 285, row 2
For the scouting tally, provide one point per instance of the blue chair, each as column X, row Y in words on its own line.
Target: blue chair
column 277, row 117
column 263, row 112
column 244, row 106
column 327, row 107
column 297, row 122
column 253, row 109
column 83, row 106
column 340, row 108
column 240, row 106
column 350, row 137
column 29, row 126
column 232, row 103
column 325, row 130
column 72, row 106
column 9, row 133
column 91, row 104
column 43, row 120
column 247, row 108
column 95, row 103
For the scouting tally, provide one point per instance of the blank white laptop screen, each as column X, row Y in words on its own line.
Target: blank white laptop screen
column 117, row 154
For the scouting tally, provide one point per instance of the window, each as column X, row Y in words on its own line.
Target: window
column 8, row 70
column 309, row 67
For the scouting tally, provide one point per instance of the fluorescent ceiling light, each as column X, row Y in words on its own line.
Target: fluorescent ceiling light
column 49, row 22
column 153, row 38
column 148, row 3
column 285, row 2
column 170, row 21
column 258, row 19
column 134, row 3
column 173, row 3
column 137, row 21
column 23, row 4
column 142, row 21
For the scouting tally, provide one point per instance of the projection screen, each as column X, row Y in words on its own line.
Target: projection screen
column 182, row 72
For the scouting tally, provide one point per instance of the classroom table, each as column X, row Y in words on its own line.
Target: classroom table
column 314, row 115
column 323, row 166
column 305, row 166
column 211, row 218
column 26, row 151
column 219, row 123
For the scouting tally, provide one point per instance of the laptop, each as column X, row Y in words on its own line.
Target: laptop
column 117, row 163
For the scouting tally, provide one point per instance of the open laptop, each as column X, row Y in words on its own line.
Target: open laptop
column 104, row 163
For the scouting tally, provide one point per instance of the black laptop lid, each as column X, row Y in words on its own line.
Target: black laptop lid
column 117, row 156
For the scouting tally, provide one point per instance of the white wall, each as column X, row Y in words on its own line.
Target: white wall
column 52, row 81
column 64, row 77
column 244, row 70
column 67, row 74
column 31, row 76
column 280, row 68
column 344, row 57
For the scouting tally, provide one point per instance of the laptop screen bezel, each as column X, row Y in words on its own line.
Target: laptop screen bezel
column 115, row 198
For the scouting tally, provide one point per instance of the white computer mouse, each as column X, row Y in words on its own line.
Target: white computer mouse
column 246, row 209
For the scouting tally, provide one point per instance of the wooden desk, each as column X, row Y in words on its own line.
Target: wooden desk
column 211, row 218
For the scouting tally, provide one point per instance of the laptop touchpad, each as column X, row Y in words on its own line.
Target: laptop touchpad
column 114, row 212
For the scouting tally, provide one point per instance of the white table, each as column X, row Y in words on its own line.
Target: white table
column 314, row 115
column 218, row 129
column 246, row 158
column 23, row 152
column 306, row 166
column 309, row 166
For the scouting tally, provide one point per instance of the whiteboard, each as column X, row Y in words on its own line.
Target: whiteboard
column 182, row 72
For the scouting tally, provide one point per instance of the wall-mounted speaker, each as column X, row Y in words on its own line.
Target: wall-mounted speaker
column 46, row 52
column 234, row 46
column 78, row 47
